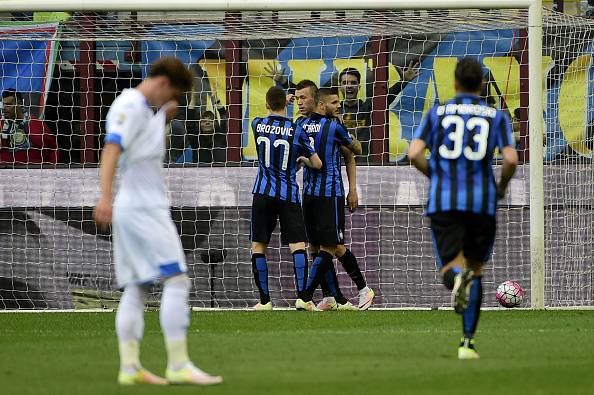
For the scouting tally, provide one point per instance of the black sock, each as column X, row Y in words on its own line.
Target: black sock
column 350, row 265
column 260, row 270
column 470, row 316
column 300, row 269
column 318, row 269
column 332, row 282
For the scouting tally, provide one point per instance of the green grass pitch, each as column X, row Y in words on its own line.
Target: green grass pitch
column 285, row 352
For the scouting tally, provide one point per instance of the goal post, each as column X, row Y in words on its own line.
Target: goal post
column 533, row 24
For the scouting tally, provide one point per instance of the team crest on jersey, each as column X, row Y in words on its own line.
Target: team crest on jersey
column 121, row 118
column 340, row 235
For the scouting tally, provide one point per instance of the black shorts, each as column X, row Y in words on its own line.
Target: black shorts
column 324, row 219
column 266, row 211
column 455, row 231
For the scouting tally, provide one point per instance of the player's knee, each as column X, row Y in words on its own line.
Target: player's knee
column 340, row 250
column 330, row 249
column 296, row 246
column 475, row 266
column 448, row 277
column 179, row 281
column 258, row 247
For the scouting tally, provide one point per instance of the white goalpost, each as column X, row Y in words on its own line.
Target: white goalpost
column 232, row 44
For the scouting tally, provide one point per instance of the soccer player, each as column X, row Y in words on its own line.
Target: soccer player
column 323, row 191
column 462, row 135
column 276, row 192
column 305, row 94
column 147, row 247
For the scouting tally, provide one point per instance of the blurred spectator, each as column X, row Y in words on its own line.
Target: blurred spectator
column 356, row 113
column 516, row 127
column 24, row 139
column 207, row 138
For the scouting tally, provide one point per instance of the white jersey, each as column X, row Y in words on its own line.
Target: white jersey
column 140, row 132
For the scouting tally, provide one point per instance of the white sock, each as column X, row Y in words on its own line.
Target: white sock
column 130, row 327
column 175, row 319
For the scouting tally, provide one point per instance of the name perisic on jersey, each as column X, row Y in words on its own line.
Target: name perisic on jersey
column 270, row 129
column 467, row 109
column 312, row 127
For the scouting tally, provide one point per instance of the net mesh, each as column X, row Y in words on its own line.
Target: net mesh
column 67, row 74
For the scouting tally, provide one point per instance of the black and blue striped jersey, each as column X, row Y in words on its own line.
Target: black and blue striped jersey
column 327, row 135
column 462, row 136
column 279, row 143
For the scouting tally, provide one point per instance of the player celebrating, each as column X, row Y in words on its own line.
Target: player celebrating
column 323, row 191
column 305, row 93
column 276, row 193
column 462, row 135
column 146, row 244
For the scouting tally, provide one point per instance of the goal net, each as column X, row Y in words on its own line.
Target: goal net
column 68, row 67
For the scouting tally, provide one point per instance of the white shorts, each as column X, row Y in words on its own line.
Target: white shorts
column 146, row 245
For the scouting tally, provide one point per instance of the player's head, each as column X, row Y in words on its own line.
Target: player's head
column 276, row 100
column 469, row 76
column 350, row 82
column 327, row 102
column 305, row 93
column 11, row 105
column 169, row 78
column 207, row 122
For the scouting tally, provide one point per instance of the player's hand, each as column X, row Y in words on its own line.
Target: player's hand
column 170, row 109
column 102, row 212
column 500, row 192
column 353, row 200
column 290, row 98
column 411, row 72
column 303, row 161
column 278, row 75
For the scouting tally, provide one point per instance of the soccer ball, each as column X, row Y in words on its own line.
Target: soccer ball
column 510, row 294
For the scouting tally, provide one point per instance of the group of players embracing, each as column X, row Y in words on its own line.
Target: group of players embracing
column 318, row 141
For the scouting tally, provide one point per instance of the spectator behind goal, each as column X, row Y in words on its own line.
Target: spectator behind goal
column 206, row 138
column 24, row 139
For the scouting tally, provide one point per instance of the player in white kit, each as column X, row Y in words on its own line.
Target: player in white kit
column 146, row 244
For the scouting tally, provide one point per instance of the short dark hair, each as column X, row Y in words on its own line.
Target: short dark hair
column 207, row 114
column 11, row 92
column 307, row 84
column 351, row 71
column 323, row 93
column 469, row 74
column 178, row 74
column 276, row 99
column 518, row 113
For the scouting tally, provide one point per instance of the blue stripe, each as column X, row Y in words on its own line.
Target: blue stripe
column 300, row 264
column 169, row 269
column 262, row 267
column 314, row 269
column 114, row 138
column 437, row 256
column 330, row 282
column 470, row 314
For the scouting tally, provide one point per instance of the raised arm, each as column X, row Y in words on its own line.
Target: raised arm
column 407, row 74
